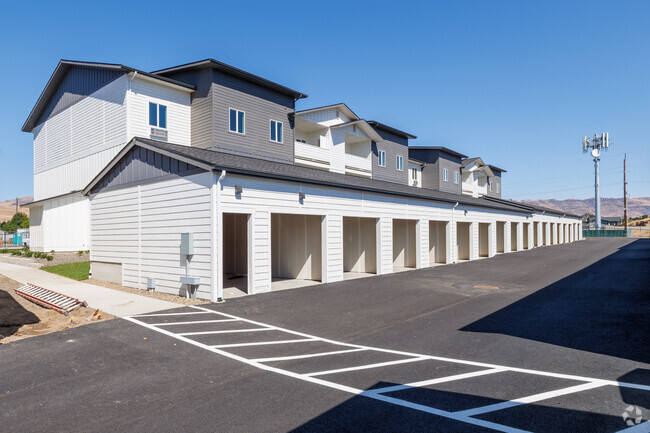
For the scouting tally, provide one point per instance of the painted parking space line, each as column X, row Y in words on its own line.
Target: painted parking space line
column 224, row 331
column 455, row 377
column 308, row 355
column 365, row 367
column 169, row 314
column 194, row 322
column 263, row 343
column 531, row 399
column 465, row 416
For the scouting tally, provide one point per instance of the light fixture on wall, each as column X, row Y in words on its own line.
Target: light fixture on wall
column 301, row 196
column 466, row 212
column 238, row 189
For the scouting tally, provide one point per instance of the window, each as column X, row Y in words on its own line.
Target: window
column 456, row 177
column 497, row 187
column 400, row 162
column 414, row 174
column 445, row 175
column 237, row 121
column 158, row 115
column 490, row 185
column 382, row 158
column 276, row 131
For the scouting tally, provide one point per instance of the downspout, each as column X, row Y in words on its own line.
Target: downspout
column 454, row 230
column 219, row 236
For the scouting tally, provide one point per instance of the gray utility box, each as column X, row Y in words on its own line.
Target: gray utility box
column 191, row 281
column 187, row 244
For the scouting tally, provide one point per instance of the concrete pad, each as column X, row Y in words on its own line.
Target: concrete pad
column 114, row 302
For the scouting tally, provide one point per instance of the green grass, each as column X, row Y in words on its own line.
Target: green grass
column 77, row 271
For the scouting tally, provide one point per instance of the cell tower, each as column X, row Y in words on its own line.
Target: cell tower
column 596, row 145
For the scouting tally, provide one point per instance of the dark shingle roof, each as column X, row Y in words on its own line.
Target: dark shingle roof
column 268, row 169
column 390, row 129
column 439, row 148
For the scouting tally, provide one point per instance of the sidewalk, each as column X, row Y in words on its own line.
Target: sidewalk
column 114, row 302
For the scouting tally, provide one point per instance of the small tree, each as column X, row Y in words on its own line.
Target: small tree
column 19, row 221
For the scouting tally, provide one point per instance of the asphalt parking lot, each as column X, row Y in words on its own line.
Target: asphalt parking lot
column 562, row 344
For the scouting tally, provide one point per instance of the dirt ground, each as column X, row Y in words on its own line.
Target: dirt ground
column 20, row 318
column 154, row 294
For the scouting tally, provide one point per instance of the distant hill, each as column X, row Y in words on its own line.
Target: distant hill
column 8, row 207
column 609, row 207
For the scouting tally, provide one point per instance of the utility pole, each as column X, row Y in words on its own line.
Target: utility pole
column 596, row 144
column 625, row 194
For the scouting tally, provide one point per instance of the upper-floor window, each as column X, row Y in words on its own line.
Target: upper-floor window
column 237, row 119
column 456, row 177
column 445, row 175
column 382, row 158
column 490, row 185
column 400, row 162
column 497, row 187
column 276, row 131
column 157, row 115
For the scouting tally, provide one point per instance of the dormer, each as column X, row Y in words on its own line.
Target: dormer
column 477, row 177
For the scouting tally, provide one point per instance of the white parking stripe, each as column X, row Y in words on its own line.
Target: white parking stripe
column 262, row 343
column 196, row 321
column 365, row 367
column 309, row 355
column 530, row 399
column 226, row 331
column 434, row 381
column 169, row 314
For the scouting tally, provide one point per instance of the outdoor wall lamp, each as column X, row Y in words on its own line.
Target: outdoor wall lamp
column 238, row 189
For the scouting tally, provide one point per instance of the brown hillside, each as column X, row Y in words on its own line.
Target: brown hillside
column 8, row 207
column 609, row 207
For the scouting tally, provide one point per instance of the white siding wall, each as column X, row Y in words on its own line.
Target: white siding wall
column 140, row 228
column 64, row 225
column 142, row 92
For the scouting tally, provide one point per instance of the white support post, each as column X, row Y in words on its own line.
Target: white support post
column 332, row 248
column 260, row 255
column 384, row 245
column 531, row 235
column 473, row 240
column 520, row 236
column 450, row 242
column 507, row 242
column 492, row 239
column 422, row 244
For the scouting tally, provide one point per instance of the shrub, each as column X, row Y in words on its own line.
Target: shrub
column 16, row 253
column 49, row 258
column 80, row 253
column 28, row 253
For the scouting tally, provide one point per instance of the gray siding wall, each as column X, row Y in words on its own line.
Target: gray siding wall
column 201, row 105
column 393, row 145
column 141, row 165
column 495, row 180
column 78, row 83
column 261, row 105
column 433, row 172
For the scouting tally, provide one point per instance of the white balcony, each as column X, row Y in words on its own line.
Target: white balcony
column 313, row 156
column 358, row 165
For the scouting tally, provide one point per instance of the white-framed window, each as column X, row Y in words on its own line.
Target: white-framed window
column 237, row 120
column 381, row 158
column 497, row 187
column 157, row 115
column 400, row 162
column 490, row 184
column 456, row 177
column 445, row 175
column 276, row 131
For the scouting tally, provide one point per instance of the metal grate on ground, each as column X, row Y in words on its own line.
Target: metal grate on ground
column 175, row 325
column 49, row 298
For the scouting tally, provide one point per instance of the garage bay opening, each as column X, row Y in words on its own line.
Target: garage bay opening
column 501, row 236
column 437, row 242
column 513, row 236
column 463, row 240
column 235, row 253
column 296, row 250
column 483, row 240
column 359, row 246
column 403, row 244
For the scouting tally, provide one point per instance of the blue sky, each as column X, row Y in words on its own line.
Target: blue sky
column 515, row 82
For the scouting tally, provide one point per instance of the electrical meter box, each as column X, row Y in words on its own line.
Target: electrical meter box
column 187, row 244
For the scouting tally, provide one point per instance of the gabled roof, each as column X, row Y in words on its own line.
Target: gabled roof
column 497, row 168
column 231, row 70
column 439, row 148
column 470, row 161
column 390, row 129
column 341, row 106
column 219, row 161
column 59, row 74
column 365, row 127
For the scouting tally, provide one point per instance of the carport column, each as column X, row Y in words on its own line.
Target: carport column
column 531, row 235
column 332, row 248
column 422, row 244
column 561, row 233
column 548, row 233
column 506, row 242
column 259, row 255
column 520, row 236
column 450, row 242
column 554, row 233
column 492, row 239
column 216, row 244
column 473, row 240
column 384, row 245
column 540, row 234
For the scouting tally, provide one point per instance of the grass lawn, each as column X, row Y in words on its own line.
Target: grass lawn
column 77, row 271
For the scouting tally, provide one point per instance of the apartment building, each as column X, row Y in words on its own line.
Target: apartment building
column 127, row 162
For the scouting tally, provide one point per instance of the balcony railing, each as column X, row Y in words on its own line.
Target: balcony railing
column 312, row 156
column 358, row 165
